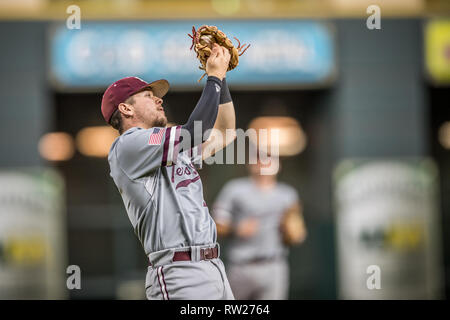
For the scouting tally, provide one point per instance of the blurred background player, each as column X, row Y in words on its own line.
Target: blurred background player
column 261, row 216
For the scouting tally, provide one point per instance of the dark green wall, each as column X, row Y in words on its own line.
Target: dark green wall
column 24, row 92
column 379, row 108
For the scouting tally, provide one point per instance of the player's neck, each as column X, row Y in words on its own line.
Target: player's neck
column 134, row 124
column 264, row 182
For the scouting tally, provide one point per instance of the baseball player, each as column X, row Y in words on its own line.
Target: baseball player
column 153, row 168
column 261, row 216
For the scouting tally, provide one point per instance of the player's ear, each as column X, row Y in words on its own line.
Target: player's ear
column 126, row 109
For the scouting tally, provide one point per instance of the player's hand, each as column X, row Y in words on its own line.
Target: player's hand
column 218, row 61
column 247, row 228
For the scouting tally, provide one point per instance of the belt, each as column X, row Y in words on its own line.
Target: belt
column 205, row 254
column 260, row 260
column 194, row 254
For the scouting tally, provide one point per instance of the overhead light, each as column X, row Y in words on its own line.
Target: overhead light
column 25, row 5
column 292, row 140
column 56, row 146
column 260, row 6
column 444, row 135
column 96, row 141
column 388, row 5
column 226, row 7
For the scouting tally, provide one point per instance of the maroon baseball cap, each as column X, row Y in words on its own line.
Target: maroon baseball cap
column 124, row 88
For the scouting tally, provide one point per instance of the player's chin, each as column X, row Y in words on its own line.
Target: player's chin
column 160, row 121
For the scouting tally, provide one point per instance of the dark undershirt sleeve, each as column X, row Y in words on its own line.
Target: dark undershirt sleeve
column 225, row 95
column 205, row 111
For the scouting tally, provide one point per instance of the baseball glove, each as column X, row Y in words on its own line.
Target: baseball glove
column 203, row 40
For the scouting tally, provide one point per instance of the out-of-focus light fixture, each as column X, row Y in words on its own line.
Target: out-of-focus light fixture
column 96, row 141
column 261, row 7
column 444, row 135
column 26, row 5
column 226, row 7
column 124, row 3
column 292, row 140
column 56, row 146
column 402, row 5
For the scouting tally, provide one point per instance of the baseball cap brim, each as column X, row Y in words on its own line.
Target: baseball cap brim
column 158, row 87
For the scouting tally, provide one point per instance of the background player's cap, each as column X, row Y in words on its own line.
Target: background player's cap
column 124, row 88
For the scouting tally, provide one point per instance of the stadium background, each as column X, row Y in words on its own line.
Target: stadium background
column 382, row 101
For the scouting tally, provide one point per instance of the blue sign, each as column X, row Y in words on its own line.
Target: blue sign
column 282, row 53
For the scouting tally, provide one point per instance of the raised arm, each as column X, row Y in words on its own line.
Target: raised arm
column 225, row 126
column 206, row 109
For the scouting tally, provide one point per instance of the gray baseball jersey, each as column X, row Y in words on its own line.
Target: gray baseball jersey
column 161, row 189
column 240, row 199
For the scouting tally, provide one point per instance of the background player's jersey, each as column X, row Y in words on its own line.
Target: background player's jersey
column 240, row 199
column 161, row 189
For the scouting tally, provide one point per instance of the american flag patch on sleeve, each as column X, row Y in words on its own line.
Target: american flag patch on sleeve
column 156, row 136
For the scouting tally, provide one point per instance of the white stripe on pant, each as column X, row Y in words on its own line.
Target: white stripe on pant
column 162, row 283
